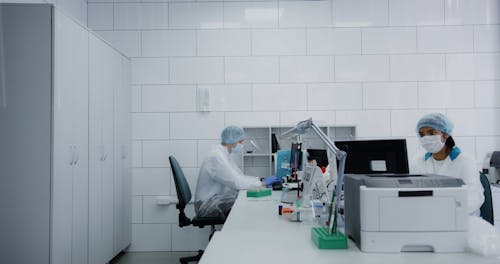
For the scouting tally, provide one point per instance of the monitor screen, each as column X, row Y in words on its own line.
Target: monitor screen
column 375, row 156
column 320, row 155
column 296, row 156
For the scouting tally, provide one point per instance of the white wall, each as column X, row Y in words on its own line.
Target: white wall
column 74, row 8
column 377, row 64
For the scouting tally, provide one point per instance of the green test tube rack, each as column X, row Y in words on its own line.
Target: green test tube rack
column 259, row 193
column 323, row 240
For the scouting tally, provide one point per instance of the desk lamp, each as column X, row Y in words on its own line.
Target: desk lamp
column 330, row 238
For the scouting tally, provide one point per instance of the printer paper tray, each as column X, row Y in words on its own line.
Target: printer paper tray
column 413, row 241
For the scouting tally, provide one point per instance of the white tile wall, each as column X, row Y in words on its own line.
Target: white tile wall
column 150, row 126
column 279, row 97
column 446, row 39
column 279, row 42
column 156, row 153
column 403, row 122
column 389, row 40
column 100, row 16
column 487, row 94
column 472, row 12
column 251, row 14
column 197, row 70
column 168, row 98
column 475, row 122
column 446, row 95
column 362, row 68
column 250, row 119
column 230, row 97
column 305, row 14
column 416, row 13
column 394, row 95
column 141, row 16
column 472, row 66
column 486, row 38
column 128, row 42
column 197, row 125
column 334, row 96
column 375, row 123
column 427, row 67
column 150, row 71
column 196, row 15
column 252, row 69
column 329, row 41
column 360, row 13
column 162, row 43
column 224, row 42
column 376, row 64
column 153, row 213
column 137, row 210
column 306, row 69
column 151, row 181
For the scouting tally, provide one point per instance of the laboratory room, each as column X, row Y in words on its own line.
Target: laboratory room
column 236, row 131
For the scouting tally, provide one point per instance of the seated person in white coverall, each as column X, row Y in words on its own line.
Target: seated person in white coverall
column 444, row 158
column 220, row 179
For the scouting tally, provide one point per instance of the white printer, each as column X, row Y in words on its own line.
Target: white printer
column 395, row 213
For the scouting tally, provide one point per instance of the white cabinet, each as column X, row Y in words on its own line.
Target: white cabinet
column 70, row 133
column 108, row 124
column 64, row 140
column 123, row 173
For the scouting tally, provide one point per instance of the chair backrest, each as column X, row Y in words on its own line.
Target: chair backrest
column 487, row 207
column 181, row 184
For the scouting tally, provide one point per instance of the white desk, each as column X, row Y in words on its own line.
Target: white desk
column 255, row 233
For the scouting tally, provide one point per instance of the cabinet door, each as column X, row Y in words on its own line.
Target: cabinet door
column 122, row 159
column 70, row 168
column 101, row 151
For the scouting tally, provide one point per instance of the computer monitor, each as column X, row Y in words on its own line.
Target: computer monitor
column 375, row 156
column 296, row 156
column 320, row 155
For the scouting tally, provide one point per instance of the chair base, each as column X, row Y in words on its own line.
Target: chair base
column 186, row 260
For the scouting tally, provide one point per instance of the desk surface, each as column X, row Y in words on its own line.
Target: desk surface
column 255, row 233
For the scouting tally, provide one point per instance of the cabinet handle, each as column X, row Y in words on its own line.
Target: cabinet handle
column 77, row 153
column 124, row 152
column 72, row 155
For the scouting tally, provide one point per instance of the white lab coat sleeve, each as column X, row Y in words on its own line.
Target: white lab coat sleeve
column 232, row 177
column 474, row 188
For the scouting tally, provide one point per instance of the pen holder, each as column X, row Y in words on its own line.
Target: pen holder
column 323, row 240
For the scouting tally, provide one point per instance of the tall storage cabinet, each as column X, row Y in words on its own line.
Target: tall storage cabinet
column 70, row 181
column 65, row 191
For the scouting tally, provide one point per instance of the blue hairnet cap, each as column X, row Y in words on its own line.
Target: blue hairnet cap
column 232, row 134
column 437, row 121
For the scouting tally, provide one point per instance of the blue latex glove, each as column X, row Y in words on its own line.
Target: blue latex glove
column 270, row 180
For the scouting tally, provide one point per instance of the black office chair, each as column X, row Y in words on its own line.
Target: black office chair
column 487, row 207
column 184, row 196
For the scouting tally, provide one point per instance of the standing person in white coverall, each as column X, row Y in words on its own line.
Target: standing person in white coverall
column 220, row 179
column 444, row 158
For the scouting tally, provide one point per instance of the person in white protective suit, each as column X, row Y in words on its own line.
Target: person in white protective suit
column 220, row 179
column 444, row 158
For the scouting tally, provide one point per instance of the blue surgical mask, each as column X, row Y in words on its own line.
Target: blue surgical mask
column 238, row 149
